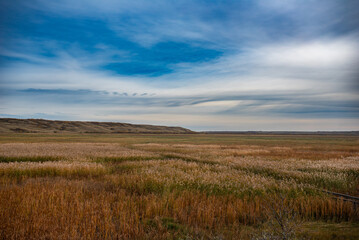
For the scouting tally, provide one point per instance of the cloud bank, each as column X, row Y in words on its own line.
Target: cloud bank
column 223, row 65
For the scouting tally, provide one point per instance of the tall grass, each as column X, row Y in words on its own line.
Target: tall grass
column 170, row 190
column 50, row 169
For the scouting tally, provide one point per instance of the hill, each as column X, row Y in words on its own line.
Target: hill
column 9, row 125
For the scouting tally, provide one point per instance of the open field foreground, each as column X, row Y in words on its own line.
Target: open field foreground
column 197, row 186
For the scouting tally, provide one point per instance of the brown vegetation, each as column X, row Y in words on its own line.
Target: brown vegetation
column 195, row 187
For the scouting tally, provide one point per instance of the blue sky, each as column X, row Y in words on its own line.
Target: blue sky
column 205, row 65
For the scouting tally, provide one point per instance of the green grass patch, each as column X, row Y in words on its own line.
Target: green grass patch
column 167, row 223
column 330, row 231
column 124, row 159
column 148, row 158
column 123, row 169
column 187, row 159
column 344, row 184
column 52, row 172
column 7, row 159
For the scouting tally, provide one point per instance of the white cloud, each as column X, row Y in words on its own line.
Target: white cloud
column 318, row 54
column 251, row 87
column 319, row 66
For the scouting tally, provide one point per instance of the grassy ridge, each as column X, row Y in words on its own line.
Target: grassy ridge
column 12, row 125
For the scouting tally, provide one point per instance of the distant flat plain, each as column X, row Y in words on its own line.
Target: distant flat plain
column 176, row 186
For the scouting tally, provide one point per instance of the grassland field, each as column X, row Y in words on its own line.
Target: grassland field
column 179, row 186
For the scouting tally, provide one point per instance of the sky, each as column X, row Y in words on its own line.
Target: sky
column 245, row 65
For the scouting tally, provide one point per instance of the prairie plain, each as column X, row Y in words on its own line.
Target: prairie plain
column 179, row 186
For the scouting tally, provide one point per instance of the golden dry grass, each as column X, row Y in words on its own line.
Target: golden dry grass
column 150, row 187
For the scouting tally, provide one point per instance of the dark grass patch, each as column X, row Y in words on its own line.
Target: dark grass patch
column 51, row 172
column 187, row 159
column 122, row 169
column 164, row 222
column 170, row 227
column 329, row 230
column 148, row 158
column 315, row 181
column 145, row 188
column 124, row 159
column 6, row 159
column 48, row 173
column 208, row 189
